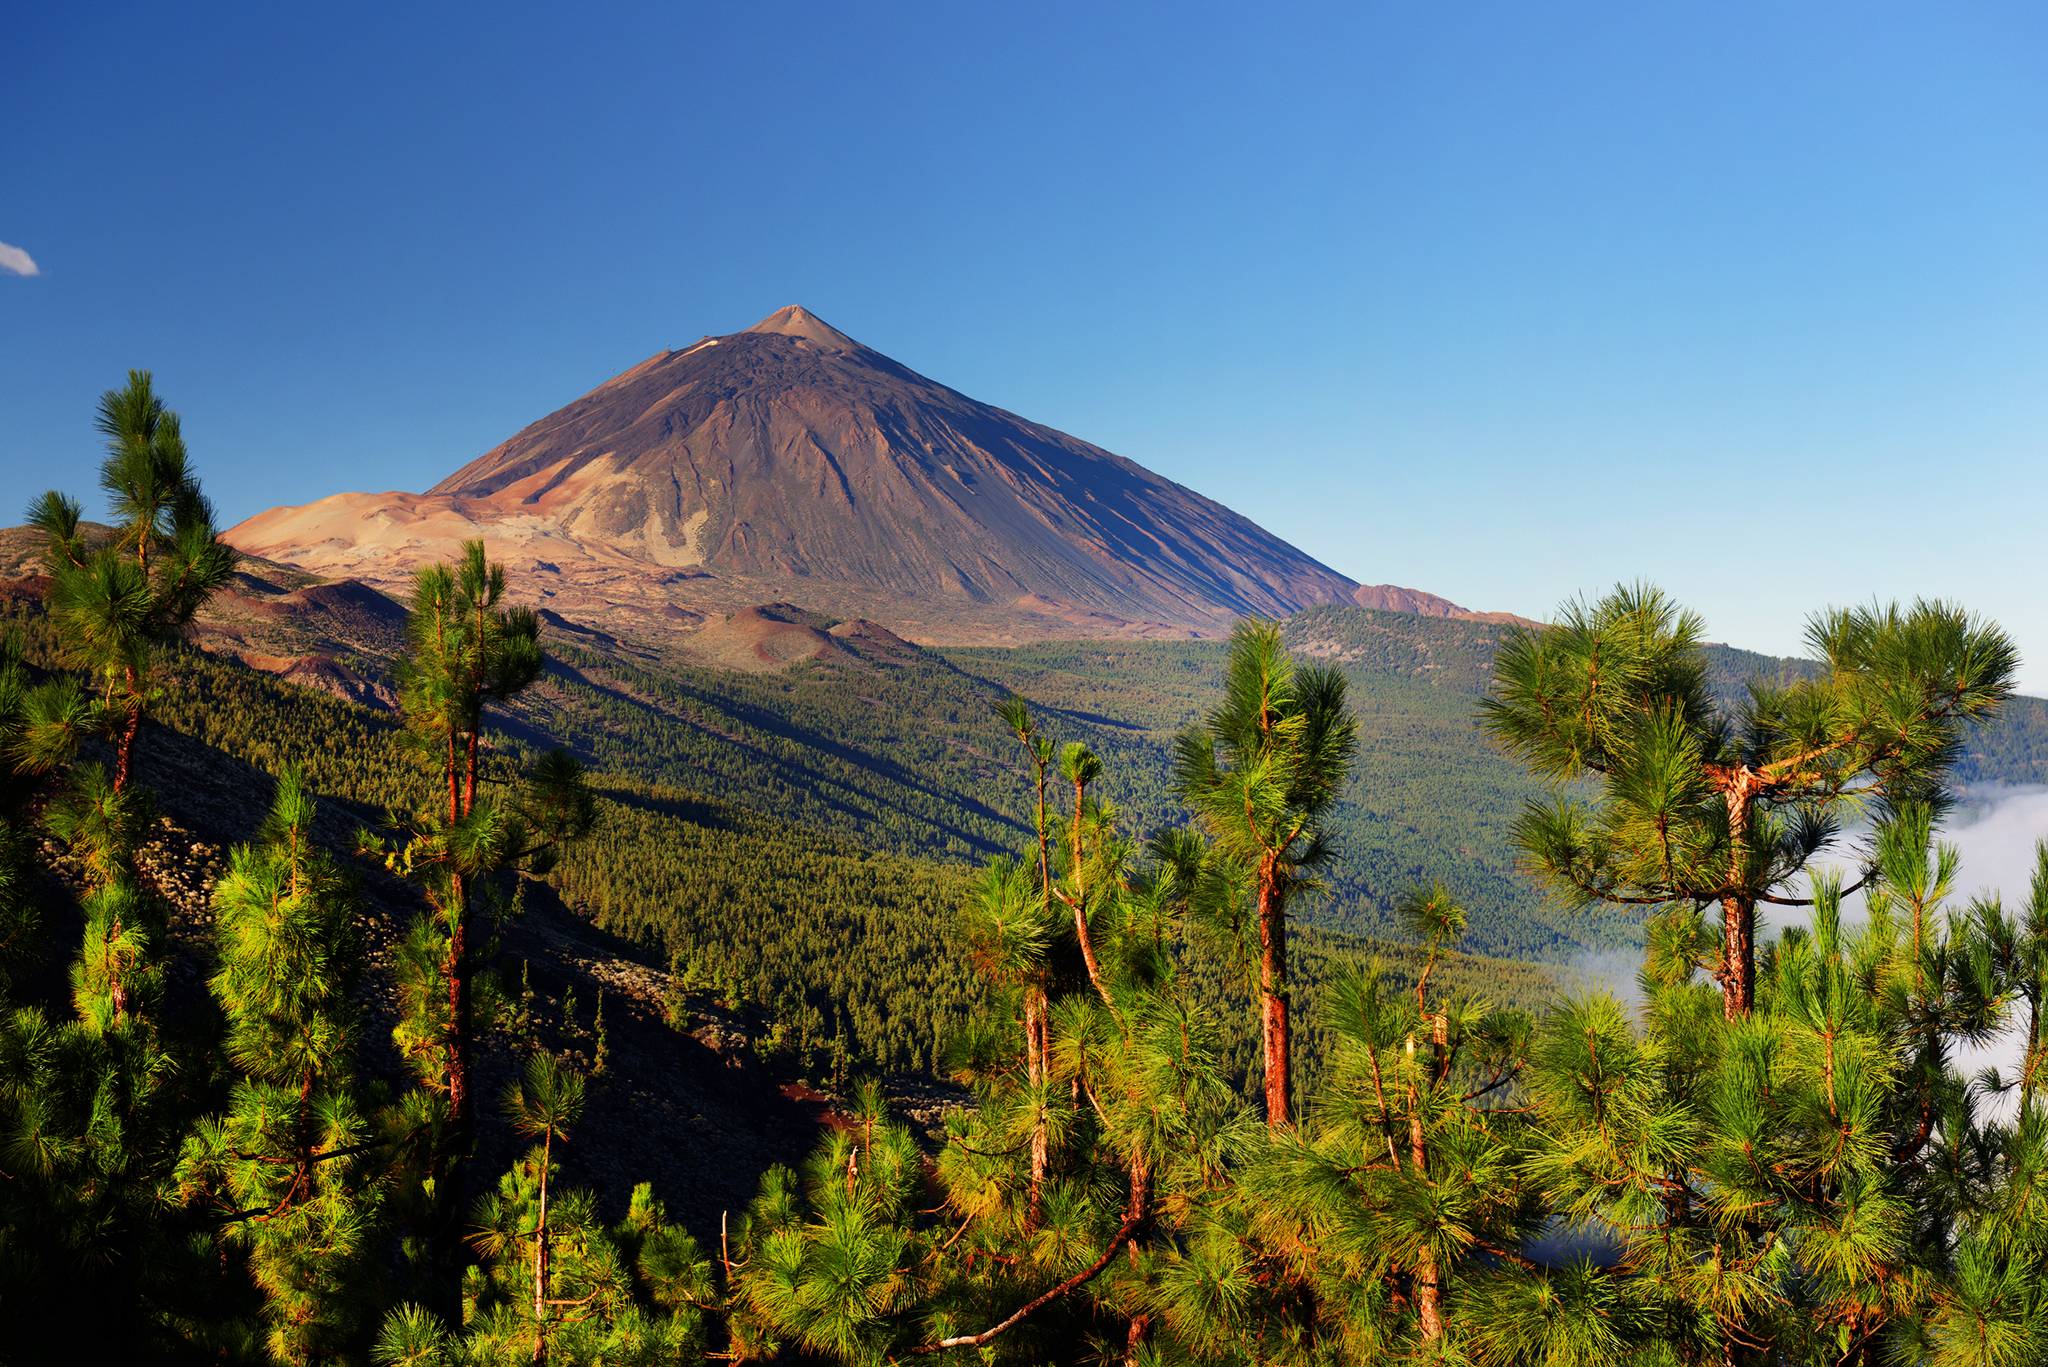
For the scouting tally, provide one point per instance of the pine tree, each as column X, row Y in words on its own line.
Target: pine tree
column 288, row 1166
column 1701, row 802
column 466, row 652
column 89, row 1102
column 1405, row 1178
column 116, row 600
column 544, row 1107
column 1013, row 931
column 1261, row 773
column 92, row 1102
column 1102, row 1227
column 553, row 1282
column 1806, row 1183
column 829, row 1258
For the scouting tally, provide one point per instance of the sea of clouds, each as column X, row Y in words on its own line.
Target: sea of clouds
column 1994, row 831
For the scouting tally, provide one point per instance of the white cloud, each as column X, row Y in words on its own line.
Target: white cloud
column 15, row 261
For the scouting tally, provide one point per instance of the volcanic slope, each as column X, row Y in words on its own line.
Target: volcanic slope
column 790, row 463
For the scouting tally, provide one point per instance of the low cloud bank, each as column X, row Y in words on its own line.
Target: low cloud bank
column 1994, row 832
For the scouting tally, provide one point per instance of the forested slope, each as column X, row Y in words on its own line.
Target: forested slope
column 897, row 750
column 838, row 958
column 288, row 950
column 797, row 841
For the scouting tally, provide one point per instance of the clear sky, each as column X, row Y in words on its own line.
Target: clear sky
column 1502, row 301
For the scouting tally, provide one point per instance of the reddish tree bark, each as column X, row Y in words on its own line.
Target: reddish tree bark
column 131, row 724
column 1737, row 974
column 1273, row 1025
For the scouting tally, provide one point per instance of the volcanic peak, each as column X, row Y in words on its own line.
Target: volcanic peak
column 798, row 321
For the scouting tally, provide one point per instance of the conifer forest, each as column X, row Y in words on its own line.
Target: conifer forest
column 1140, row 1002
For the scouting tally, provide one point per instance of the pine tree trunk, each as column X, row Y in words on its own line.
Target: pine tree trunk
column 302, row 1137
column 454, row 781
column 1429, row 1290
column 1141, row 1325
column 1034, row 1059
column 1044, row 842
column 540, row 1257
column 1738, row 957
column 1273, row 997
column 456, row 969
column 1738, row 907
column 473, row 722
column 1139, row 1203
column 117, row 988
column 124, row 743
column 1081, row 932
column 450, row 1168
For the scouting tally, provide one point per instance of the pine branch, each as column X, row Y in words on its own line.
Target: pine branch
column 1503, row 1080
column 1032, row 1307
column 1868, row 877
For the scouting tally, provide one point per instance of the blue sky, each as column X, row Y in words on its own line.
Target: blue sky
column 1505, row 301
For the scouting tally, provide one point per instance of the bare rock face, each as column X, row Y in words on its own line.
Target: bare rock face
column 791, row 462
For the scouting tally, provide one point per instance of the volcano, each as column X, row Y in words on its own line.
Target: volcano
column 791, row 463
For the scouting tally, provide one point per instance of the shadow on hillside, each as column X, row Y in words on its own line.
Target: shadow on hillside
column 700, row 1123
column 873, row 787
column 696, row 811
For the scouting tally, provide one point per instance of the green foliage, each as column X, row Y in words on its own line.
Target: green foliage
column 117, row 599
column 92, row 1093
column 633, row 1292
column 829, row 1255
column 1811, row 1182
column 287, row 1170
column 1428, row 800
column 1261, row 775
column 468, row 848
column 1814, row 1180
column 1697, row 802
column 554, row 1283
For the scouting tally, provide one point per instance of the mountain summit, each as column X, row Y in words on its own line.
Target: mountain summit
column 798, row 321
column 788, row 461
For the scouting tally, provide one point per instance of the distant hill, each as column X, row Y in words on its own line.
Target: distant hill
column 1394, row 598
column 790, row 463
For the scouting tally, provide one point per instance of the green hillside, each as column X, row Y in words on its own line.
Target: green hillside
column 907, row 756
column 796, row 841
column 796, row 849
column 904, row 754
column 843, row 954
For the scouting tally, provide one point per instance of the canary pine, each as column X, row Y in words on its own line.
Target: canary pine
column 1699, row 799
column 118, row 596
column 1261, row 773
column 291, row 1171
column 1778, row 1148
column 477, row 834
